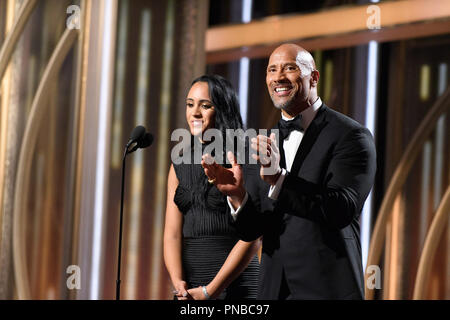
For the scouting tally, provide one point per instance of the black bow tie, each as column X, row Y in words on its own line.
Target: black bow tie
column 287, row 126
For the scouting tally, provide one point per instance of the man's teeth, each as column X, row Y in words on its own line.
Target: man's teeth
column 281, row 89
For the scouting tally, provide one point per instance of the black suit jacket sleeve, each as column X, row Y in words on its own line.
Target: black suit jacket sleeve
column 347, row 183
column 348, row 179
column 252, row 218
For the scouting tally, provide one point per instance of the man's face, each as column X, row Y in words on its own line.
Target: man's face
column 287, row 88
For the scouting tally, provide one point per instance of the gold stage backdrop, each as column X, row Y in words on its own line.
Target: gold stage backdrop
column 81, row 75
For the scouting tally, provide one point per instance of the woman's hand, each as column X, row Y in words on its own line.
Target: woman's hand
column 229, row 181
column 196, row 294
column 181, row 291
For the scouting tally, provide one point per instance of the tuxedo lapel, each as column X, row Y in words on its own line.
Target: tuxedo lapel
column 309, row 139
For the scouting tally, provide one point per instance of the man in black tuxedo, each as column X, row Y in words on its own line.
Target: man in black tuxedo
column 311, row 190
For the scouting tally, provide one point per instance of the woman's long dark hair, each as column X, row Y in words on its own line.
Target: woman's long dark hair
column 227, row 116
column 223, row 96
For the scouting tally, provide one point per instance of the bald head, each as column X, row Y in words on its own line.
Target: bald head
column 292, row 79
column 303, row 58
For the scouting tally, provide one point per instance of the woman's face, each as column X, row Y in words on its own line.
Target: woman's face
column 200, row 112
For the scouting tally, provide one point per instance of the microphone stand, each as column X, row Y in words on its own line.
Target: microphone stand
column 121, row 223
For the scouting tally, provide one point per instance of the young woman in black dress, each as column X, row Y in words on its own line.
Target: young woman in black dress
column 202, row 252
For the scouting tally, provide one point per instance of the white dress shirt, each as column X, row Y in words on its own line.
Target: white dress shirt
column 291, row 144
column 290, row 147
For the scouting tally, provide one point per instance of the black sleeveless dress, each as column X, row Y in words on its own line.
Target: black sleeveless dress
column 208, row 234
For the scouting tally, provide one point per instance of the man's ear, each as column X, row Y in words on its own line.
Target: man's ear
column 315, row 75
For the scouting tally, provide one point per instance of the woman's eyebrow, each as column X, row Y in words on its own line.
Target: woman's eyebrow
column 201, row 101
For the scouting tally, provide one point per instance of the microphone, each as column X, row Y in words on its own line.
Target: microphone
column 137, row 134
column 143, row 142
column 142, row 139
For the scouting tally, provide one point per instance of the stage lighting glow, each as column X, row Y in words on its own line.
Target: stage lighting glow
column 372, row 68
column 103, row 119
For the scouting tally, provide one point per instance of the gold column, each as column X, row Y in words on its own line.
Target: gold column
column 79, row 124
column 137, row 161
column 163, row 151
column 191, row 53
column 5, row 169
column 91, row 187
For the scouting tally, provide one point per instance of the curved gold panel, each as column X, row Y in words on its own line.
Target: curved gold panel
column 431, row 243
column 37, row 113
column 10, row 42
column 80, row 108
column 399, row 178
